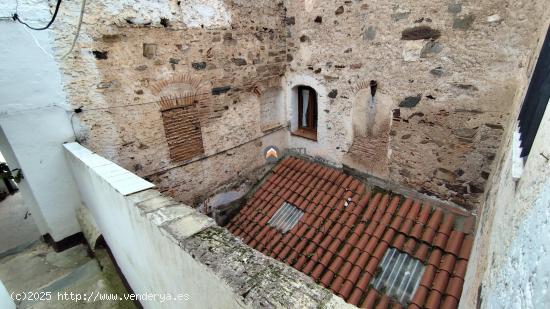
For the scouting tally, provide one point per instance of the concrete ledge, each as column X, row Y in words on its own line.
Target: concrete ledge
column 163, row 246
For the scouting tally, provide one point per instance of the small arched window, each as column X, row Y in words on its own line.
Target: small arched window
column 307, row 112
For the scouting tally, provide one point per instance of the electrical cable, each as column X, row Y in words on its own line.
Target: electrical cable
column 16, row 17
column 82, row 7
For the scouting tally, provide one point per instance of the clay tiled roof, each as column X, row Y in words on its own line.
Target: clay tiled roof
column 345, row 231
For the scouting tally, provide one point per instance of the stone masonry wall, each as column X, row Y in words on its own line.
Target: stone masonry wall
column 130, row 53
column 446, row 72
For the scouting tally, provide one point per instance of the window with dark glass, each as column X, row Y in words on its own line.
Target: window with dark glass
column 536, row 99
column 307, row 112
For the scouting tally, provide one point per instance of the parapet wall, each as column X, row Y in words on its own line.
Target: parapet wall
column 163, row 246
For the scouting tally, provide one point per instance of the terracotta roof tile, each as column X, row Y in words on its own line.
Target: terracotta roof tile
column 347, row 181
column 447, row 225
column 428, row 276
column 370, row 299
column 337, row 283
column 404, row 209
column 363, row 282
column 354, row 184
column 466, row 248
column 435, row 257
column 371, row 244
column 380, row 250
column 336, row 264
column 345, row 251
column 413, row 212
column 327, row 278
column 396, row 306
column 416, row 231
column 460, row 268
column 371, row 267
column 346, row 269
column 406, row 226
column 388, row 236
column 454, row 287
column 448, row 263
column 379, row 231
column 424, row 214
column 420, row 296
column 434, row 299
column 344, row 234
column 440, row 282
column 449, row 303
column 355, row 296
column 396, row 223
column 409, row 246
column 435, row 219
column 371, row 208
column 347, row 287
column 440, row 240
column 421, row 252
column 399, row 241
column 384, row 302
column 428, row 235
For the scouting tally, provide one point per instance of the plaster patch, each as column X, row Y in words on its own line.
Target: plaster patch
column 412, row 50
column 212, row 13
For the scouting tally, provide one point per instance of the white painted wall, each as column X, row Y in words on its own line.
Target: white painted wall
column 24, row 188
column 207, row 13
column 518, row 259
column 512, row 245
column 147, row 254
column 36, row 139
column 5, row 299
column 34, row 118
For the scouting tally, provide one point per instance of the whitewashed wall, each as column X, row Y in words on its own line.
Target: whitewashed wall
column 151, row 260
column 518, row 260
column 34, row 118
column 512, row 244
column 5, row 298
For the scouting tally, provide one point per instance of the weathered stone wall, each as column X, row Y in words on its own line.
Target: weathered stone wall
column 130, row 53
column 446, row 72
column 444, row 89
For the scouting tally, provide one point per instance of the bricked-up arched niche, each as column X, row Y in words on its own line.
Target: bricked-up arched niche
column 371, row 124
column 178, row 100
column 370, row 117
